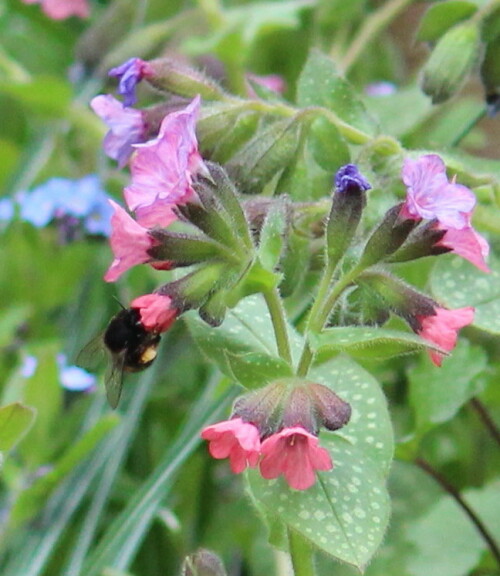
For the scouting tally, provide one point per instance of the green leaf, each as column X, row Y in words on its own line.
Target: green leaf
column 456, row 283
column 460, row 551
column 268, row 152
column 370, row 427
column 31, row 499
column 436, row 395
column 366, row 342
column 272, row 236
column 243, row 347
column 328, row 147
column 321, row 85
column 442, row 16
column 15, row 421
column 344, row 514
column 48, row 96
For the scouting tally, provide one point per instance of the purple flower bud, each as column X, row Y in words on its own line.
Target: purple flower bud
column 348, row 179
column 130, row 73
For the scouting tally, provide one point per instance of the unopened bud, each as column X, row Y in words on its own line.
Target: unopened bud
column 451, row 61
column 334, row 413
column 168, row 75
column 386, row 238
column 420, row 243
column 347, row 205
column 263, row 156
column 400, row 298
column 203, row 563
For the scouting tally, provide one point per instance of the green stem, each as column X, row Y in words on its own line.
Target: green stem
column 470, row 125
column 275, row 307
column 301, row 554
column 486, row 11
column 371, row 28
column 320, row 312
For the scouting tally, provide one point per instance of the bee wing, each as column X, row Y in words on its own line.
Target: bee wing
column 114, row 379
column 92, row 354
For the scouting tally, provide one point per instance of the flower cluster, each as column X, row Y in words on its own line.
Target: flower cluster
column 447, row 205
column 276, row 428
column 76, row 206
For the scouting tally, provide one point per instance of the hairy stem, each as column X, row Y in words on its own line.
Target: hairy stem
column 275, row 307
column 301, row 555
column 455, row 494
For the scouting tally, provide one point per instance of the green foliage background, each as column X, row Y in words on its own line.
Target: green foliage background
column 85, row 491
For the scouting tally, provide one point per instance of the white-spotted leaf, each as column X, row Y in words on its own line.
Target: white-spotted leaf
column 456, row 283
column 344, row 514
column 370, row 427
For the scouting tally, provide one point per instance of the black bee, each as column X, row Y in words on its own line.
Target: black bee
column 131, row 348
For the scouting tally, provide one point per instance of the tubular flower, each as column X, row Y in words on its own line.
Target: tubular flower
column 130, row 243
column 468, row 244
column 162, row 169
column 234, row 439
column 442, row 328
column 130, row 73
column 295, row 454
column 62, row 9
column 157, row 313
column 431, row 196
column 126, row 127
column 348, row 178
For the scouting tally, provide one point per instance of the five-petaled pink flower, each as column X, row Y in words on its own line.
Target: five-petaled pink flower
column 156, row 310
column 431, row 196
column 234, row 439
column 442, row 329
column 130, row 243
column 295, row 454
column 126, row 127
column 163, row 168
column 61, row 9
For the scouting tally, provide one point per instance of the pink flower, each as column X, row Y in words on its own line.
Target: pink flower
column 126, row 127
column 130, row 243
column 157, row 313
column 468, row 244
column 431, row 196
column 234, row 439
column 442, row 329
column 295, row 454
column 162, row 169
column 61, row 9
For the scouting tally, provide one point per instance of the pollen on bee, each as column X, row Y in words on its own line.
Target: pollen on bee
column 148, row 355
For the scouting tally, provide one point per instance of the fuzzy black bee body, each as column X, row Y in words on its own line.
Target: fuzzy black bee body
column 130, row 347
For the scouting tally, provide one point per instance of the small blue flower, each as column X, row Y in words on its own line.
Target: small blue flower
column 7, row 210
column 74, row 378
column 28, row 366
column 69, row 201
column 349, row 179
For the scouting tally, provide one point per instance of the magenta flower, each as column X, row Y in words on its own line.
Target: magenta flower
column 62, row 9
column 295, row 454
column 130, row 73
column 157, row 313
column 468, row 244
column 442, row 329
column 162, row 169
column 127, row 126
column 431, row 196
column 130, row 243
column 234, row 439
